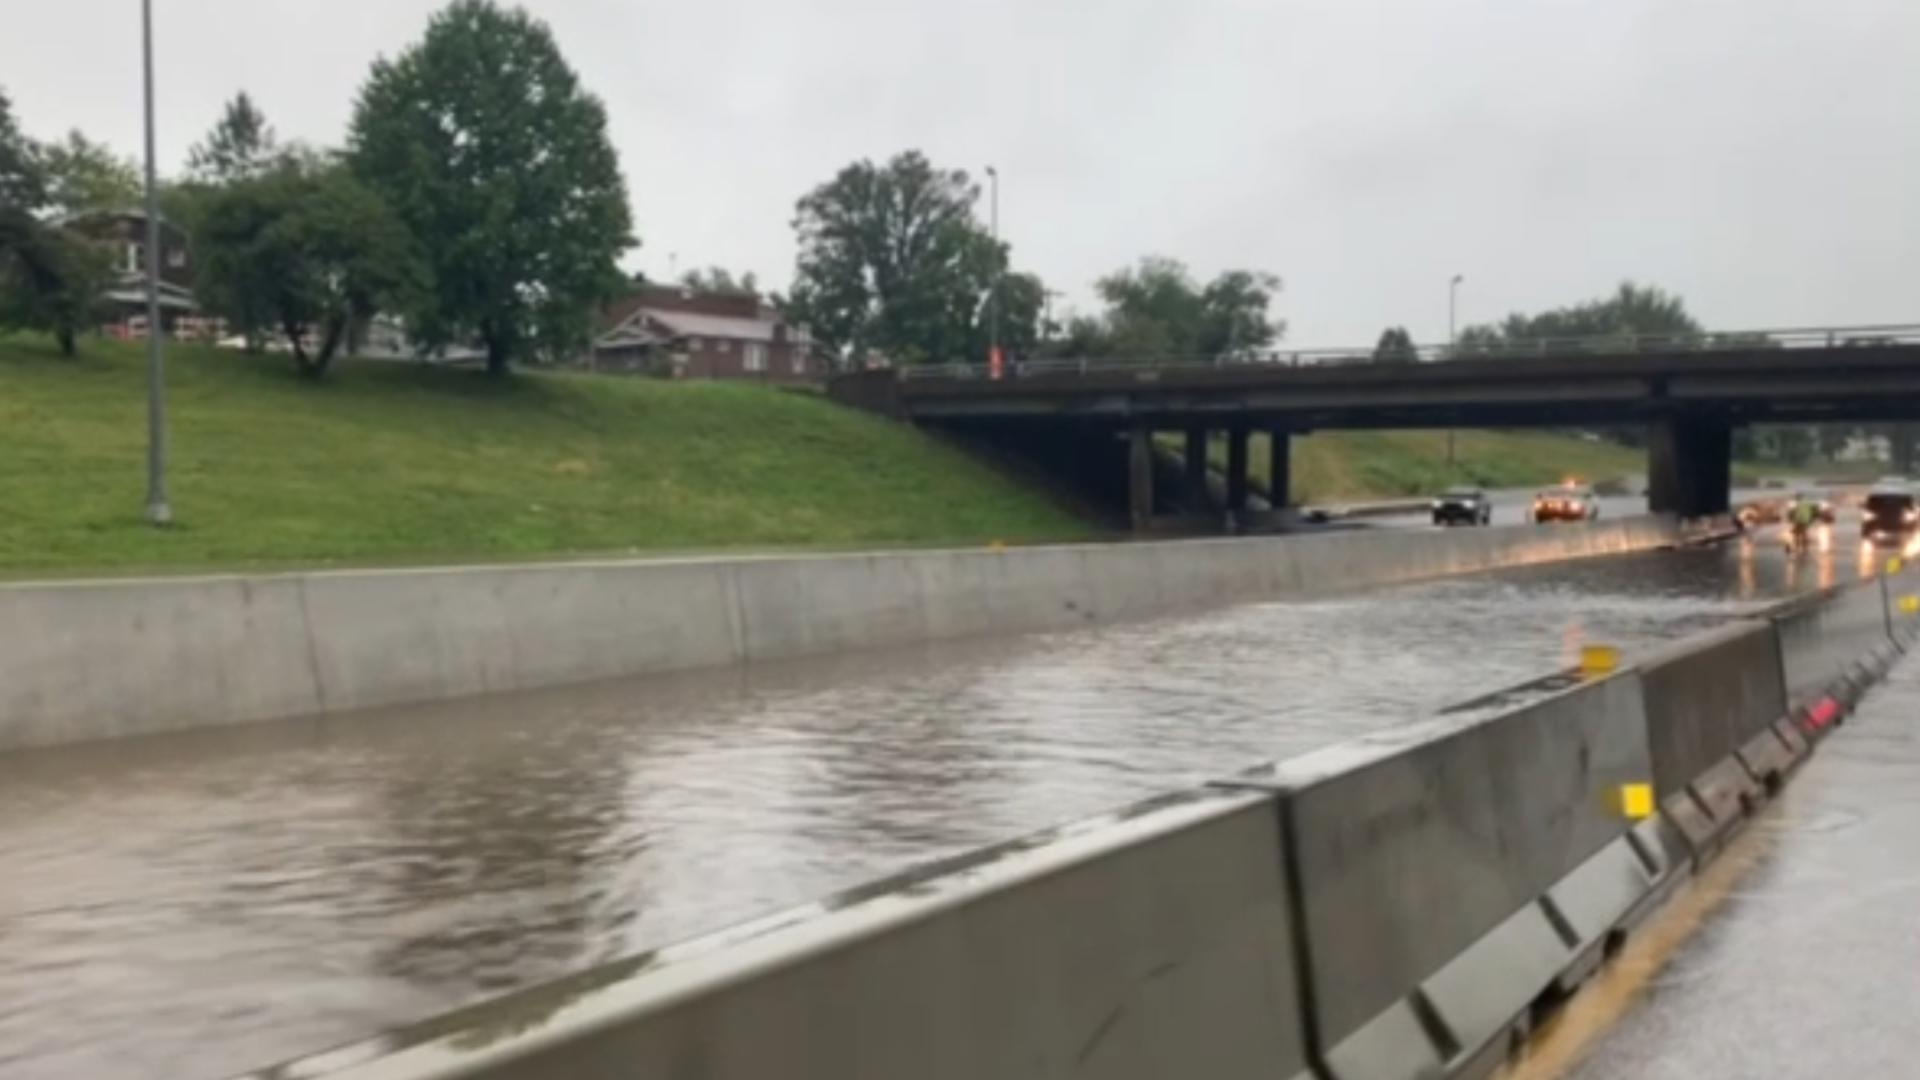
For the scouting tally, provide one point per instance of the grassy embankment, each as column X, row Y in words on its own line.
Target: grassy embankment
column 1349, row 466
column 400, row 463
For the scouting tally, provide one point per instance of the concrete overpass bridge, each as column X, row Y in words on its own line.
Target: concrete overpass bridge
column 1689, row 392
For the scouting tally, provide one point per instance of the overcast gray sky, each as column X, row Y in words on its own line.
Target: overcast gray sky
column 1760, row 157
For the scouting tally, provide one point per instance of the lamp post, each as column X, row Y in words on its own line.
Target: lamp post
column 993, row 295
column 159, row 511
column 1453, row 312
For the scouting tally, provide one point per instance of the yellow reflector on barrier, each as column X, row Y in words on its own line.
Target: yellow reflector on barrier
column 996, row 545
column 1894, row 565
column 1598, row 660
column 1910, row 605
column 1636, row 801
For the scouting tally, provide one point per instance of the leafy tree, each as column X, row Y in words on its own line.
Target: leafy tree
column 241, row 145
column 720, row 279
column 51, row 277
column 306, row 248
column 1631, row 313
column 1157, row 307
column 482, row 141
column 893, row 258
column 23, row 188
column 84, row 176
column 1396, row 347
column 1023, row 304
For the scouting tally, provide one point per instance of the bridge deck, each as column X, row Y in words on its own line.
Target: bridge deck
column 1812, row 968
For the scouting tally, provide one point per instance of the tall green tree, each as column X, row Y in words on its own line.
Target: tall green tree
column 482, row 140
column 1635, row 313
column 85, row 176
column 720, row 279
column 1157, row 306
column 241, row 145
column 1395, row 347
column 23, row 186
column 892, row 257
column 305, row 249
column 51, row 276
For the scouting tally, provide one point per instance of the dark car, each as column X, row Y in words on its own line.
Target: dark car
column 1573, row 502
column 1463, row 506
column 1889, row 515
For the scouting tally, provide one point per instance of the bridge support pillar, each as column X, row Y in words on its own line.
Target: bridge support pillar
column 1279, row 468
column 1196, row 465
column 1237, row 469
column 1140, row 476
column 1690, row 466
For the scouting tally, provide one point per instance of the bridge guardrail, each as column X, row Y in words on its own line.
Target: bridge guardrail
column 1533, row 348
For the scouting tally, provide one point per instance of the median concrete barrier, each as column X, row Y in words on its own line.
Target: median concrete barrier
column 1150, row 943
column 1449, row 874
column 1822, row 635
column 1712, row 706
column 89, row 660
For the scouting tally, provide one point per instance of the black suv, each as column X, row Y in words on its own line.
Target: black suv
column 1463, row 506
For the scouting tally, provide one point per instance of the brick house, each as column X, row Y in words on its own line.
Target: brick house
column 124, row 235
column 682, row 333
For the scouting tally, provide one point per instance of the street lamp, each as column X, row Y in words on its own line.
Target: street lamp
column 1453, row 312
column 159, row 512
column 993, row 296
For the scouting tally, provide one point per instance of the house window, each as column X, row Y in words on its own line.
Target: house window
column 134, row 258
column 177, row 258
column 799, row 360
column 723, row 345
column 693, row 344
column 756, row 356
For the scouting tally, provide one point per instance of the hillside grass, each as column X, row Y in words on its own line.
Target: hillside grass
column 1354, row 465
column 404, row 463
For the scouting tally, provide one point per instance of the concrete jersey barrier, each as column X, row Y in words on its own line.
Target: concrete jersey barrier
column 85, row 660
column 1713, row 708
column 1150, row 943
column 1448, row 874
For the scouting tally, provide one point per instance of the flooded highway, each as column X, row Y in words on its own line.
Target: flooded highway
column 199, row 904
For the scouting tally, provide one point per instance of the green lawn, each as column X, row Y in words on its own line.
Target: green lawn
column 1362, row 465
column 1388, row 464
column 389, row 462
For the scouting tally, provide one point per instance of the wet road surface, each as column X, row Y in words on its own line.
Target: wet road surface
column 204, row 903
column 1812, row 968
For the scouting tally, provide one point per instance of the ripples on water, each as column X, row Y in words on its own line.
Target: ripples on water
column 199, row 904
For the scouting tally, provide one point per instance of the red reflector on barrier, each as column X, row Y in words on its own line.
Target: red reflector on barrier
column 1823, row 712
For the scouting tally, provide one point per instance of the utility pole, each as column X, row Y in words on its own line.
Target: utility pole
column 159, row 511
column 1453, row 313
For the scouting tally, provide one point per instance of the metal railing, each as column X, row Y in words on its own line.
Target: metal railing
column 1824, row 337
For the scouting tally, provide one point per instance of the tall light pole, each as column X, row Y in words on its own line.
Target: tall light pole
column 1453, row 313
column 993, row 297
column 159, row 511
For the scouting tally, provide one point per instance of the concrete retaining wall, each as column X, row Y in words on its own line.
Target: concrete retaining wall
column 97, row 659
column 1152, row 943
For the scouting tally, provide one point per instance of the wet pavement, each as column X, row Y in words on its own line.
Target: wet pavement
column 1812, row 967
column 204, row 903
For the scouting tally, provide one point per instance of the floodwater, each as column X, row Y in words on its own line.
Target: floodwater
column 200, row 904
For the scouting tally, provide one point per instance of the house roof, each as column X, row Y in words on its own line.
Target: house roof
column 693, row 324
